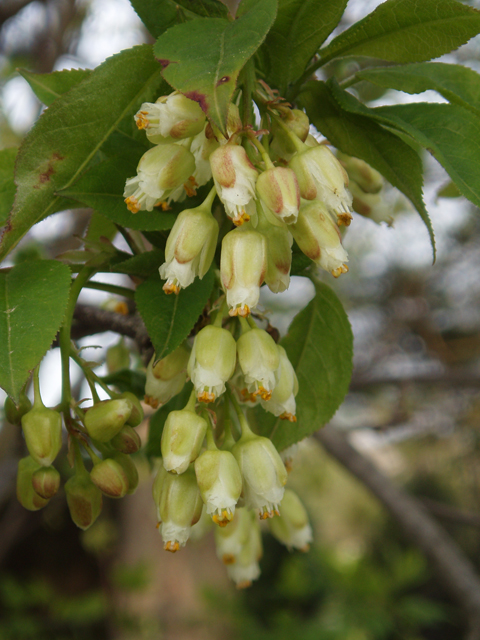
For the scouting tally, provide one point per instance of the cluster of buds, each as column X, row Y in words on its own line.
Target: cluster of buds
column 108, row 427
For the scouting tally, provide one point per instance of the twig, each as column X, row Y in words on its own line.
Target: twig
column 452, row 567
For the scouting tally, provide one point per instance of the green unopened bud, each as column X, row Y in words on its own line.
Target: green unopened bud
column 297, row 122
column 182, row 439
column 127, row 440
column 42, row 429
column 167, row 378
column 173, row 116
column 367, row 178
column 243, row 265
column 282, row 401
column 26, row 494
column 118, row 357
column 279, row 253
column 15, row 412
column 105, row 419
column 180, row 507
column 109, row 476
column 279, row 192
column 259, row 359
column 46, row 482
column 84, row 500
column 212, row 362
column 136, row 415
column 319, row 238
column 220, row 483
column 129, row 469
column 292, row 528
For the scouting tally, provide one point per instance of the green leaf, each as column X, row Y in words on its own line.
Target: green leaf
column 449, row 132
column 319, row 345
column 143, row 265
column 50, row 86
column 361, row 137
column 157, row 421
column 101, row 188
column 127, row 380
column 407, row 31
column 158, row 16
column 33, row 299
column 170, row 318
column 7, row 184
column 69, row 134
column 300, row 28
column 203, row 58
column 455, row 83
column 99, row 227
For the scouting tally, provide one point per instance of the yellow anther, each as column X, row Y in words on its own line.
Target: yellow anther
column 190, row 187
column 170, row 287
column 163, row 204
column 206, row 396
column 288, row 416
column 224, row 519
column 244, row 584
column 336, row 273
column 171, row 546
column 142, row 120
column 132, row 204
column 228, row 558
column 344, row 218
column 241, row 218
column 121, row 308
column 152, row 402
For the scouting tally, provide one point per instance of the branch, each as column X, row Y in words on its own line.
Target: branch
column 453, row 378
column 452, row 567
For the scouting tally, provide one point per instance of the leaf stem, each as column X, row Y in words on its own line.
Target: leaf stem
column 111, row 288
column 130, row 240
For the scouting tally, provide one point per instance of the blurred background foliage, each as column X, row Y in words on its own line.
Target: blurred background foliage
column 414, row 409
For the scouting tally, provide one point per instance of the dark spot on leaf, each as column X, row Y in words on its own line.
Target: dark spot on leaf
column 223, row 80
column 200, row 98
column 47, row 174
column 163, row 63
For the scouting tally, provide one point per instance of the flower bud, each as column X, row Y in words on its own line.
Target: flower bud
column 182, row 439
column 371, row 205
column 173, row 116
column 246, row 568
column 279, row 253
column 190, row 248
column 321, row 176
column 230, row 539
column 292, row 528
column 26, row 494
column 234, row 177
column 180, row 507
column 42, row 429
column 84, row 500
column 46, row 482
column 368, row 179
column 263, row 472
column 129, row 469
column 278, row 190
column 127, row 440
column 282, row 400
column 167, row 378
column 258, row 357
column 297, row 122
column 14, row 413
column 118, row 357
column 136, row 416
column 160, row 171
column 243, row 265
column 212, row 362
column 220, row 483
column 319, row 238
column 105, row 419
column 109, row 476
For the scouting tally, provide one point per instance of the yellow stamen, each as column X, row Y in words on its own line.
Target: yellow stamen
column 170, row 287
column 171, row 546
column 288, row 416
column 142, row 120
column 190, row 188
column 121, row 308
column 163, row 204
column 228, row 558
column 244, row 584
column 224, row 519
column 205, row 396
column 288, row 465
column 158, row 524
column 305, row 548
column 243, row 311
column 344, row 218
column 151, row 401
column 241, row 218
column 132, row 204
column 336, row 273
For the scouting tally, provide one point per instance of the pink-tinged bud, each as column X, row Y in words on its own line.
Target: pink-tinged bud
column 279, row 253
column 180, row 507
column 264, row 474
column 118, row 357
column 173, row 117
column 321, row 176
column 368, row 179
column 282, row 400
column 319, row 238
column 42, row 429
column 161, row 170
column 258, row 357
column 182, row 439
column 14, row 413
column 234, row 177
column 220, row 483
column 110, row 478
column 167, row 378
column 46, row 482
column 190, row 248
column 129, row 469
column 243, row 265
column 105, row 419
column 136, row 416
column 26, row 494
column 279, row 192
column 84, row 500
column 292, row 528
column 212, row 362
column 126, row 441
